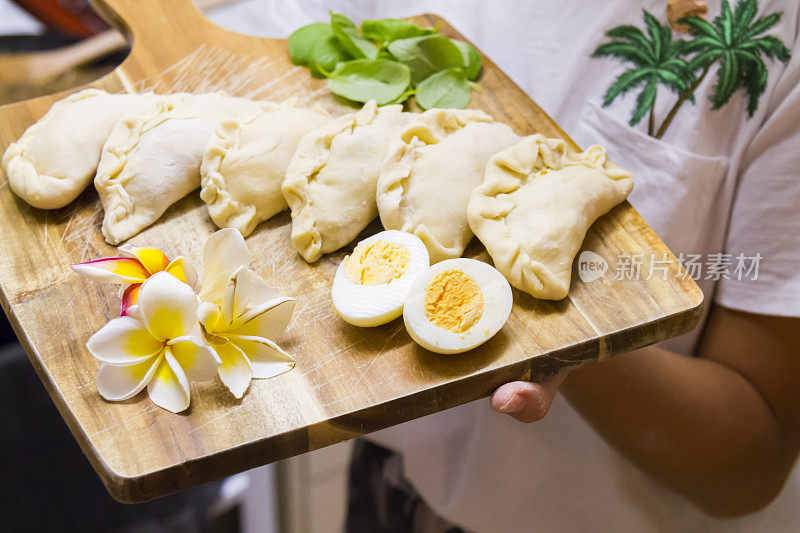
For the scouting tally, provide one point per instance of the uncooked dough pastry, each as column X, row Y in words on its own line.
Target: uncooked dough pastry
column 430, row 172
column 245, row 163
column 152, row 158
column 332, row 179
column 535, row 205
column 56, row 157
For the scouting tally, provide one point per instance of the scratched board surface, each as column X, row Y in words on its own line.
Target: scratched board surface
column 348, row 381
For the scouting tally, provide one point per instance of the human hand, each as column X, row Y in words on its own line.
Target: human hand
column 526, row 401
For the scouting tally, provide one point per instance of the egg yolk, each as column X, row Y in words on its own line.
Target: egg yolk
column 377, row 263
column 453, row 301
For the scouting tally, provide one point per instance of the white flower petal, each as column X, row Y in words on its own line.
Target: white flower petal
column 168, row 306
column 208, row 315
column 235, row 370
column 169, row 388
column 197, row 359
column 251, row 291
column 117, row 383
column 224, row 254
column 196, row 332
column 123, row 341
column 226, row 309
column 268, row 320
column 121, row 270
column 133, row 312
column 267, row 358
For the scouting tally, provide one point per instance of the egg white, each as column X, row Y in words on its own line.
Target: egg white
column 374, row 305
column 497, row 301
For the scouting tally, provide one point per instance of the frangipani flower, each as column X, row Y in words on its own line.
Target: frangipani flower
column 158, row 344
column 133, row 267
column 241, row 315
column 224, row 254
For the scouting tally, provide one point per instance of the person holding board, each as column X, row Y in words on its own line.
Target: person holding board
column 701, row 101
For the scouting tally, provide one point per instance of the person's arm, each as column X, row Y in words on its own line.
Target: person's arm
column 722, row 428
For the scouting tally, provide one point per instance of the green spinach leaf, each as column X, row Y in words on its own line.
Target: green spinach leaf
column 447, row 88
column 303, row 40
column 325, row 54
column 472, row 59
column 403, row 97
column 387, row 60
column 426, row 55
column 350, row 38
column 383, row 53
column 388, row 30
column 361, row 80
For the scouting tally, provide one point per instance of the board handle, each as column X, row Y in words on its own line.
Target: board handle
column 156, row 22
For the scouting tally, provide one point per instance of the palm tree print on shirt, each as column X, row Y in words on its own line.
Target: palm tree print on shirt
column 657, row 60
column 733, row 41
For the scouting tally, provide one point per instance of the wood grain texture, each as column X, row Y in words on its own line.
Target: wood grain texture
column 348, row 381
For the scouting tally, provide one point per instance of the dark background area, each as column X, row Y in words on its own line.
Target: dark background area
column 47, row 483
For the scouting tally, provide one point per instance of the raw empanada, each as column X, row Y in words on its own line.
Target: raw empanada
column 152, row 159
column 430, row 172
column 245, row 163
column 332, row 179
column 535, row 205
column 56, row 157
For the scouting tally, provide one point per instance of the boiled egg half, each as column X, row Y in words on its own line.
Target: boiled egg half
column 457, row 305
column 372, row 284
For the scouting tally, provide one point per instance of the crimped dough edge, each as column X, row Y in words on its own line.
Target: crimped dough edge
column 430, row 128
column 222, row 208
column 117, row 203
column 489, row 206
column 21, row 171
column 311, row 156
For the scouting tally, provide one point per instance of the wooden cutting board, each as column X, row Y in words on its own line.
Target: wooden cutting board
column 348, row 381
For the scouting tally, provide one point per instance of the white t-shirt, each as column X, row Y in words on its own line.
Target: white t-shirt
column 717, row 182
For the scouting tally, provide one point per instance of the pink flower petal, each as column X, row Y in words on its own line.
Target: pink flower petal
column 129, row 298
